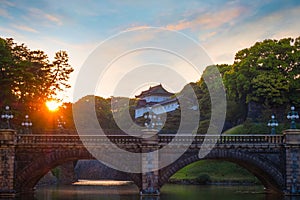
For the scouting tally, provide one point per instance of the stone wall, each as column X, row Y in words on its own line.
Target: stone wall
column 292, row 142
column 95, row 170
column 7, row 162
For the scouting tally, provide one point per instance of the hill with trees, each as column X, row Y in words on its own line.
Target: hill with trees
column 263, row 80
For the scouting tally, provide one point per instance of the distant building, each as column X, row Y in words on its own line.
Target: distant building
column 156, row 98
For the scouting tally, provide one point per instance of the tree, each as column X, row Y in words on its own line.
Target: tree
column 28, row 79
column 6, row 61
column 266, row 73
column 31, row 80
column 60, row 72
column 28, row 76
column 295, row 73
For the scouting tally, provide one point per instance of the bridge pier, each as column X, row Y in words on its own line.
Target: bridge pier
column 7, row 162
column 67, row 174
column 292, row 153
column 150, row 159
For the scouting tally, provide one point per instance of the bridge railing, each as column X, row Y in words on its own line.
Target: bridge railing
column 241, row 139
column 75, row 139
column 162, row 139
column 47, row 139
column 223, row 139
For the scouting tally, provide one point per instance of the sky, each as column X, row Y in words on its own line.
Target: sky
column 219, row 27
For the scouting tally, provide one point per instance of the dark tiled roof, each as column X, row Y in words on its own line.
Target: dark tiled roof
column 157, row 90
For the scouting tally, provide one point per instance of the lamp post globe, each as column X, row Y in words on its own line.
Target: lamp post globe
column 27, row 124
column 60, row 124
column 293, row 115
column 7, row 116
column 273, row 123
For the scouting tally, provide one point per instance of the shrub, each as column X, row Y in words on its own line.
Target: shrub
column 203, row 179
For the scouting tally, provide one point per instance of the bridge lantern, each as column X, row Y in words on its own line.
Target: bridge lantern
column 7, row 115
column 293, row 115
column 27, row 124
column 273, row 123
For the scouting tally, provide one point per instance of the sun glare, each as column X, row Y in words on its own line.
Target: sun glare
column 52, row 105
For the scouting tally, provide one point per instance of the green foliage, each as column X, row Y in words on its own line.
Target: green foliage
column 104, row 108
column 56, row 172
column 172, row 122
column 267, row 73
column 28, row 79
column 255, row 128
column 60, row 72
column 203, row 179
column 248, row 128
column 203, row 126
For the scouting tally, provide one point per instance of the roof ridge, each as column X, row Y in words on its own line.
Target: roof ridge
column 153, row 90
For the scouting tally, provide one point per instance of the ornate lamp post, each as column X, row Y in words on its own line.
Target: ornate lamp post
column 150, row 160
column 27, row 124
column 293, row 115
column 273, row 123
column 7, row 115
column 60, row 123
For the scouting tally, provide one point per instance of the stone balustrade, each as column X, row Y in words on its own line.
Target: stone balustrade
column 162, row 139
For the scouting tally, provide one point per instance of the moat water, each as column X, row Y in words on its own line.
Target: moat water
column 168, row 192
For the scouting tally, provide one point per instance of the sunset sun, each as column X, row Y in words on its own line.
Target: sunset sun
column 53, row 105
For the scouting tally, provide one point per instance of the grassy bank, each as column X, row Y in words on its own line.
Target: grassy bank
column 213, row 172
column 256, row 128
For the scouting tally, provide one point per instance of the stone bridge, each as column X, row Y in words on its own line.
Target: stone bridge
column 273, row 159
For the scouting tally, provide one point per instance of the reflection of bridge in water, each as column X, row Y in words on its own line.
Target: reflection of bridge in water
column 273, row 159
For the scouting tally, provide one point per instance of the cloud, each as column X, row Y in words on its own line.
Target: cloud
column 207, row 36
column 25, row 28
column 53, row 19
column 223, row 46
column 7, row 3
column 39, row 14
column 4, row 13
column 135, row 27
column 209, row 20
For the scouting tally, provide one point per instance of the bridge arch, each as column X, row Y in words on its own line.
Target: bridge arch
column 265, row 171
column 27, row 178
